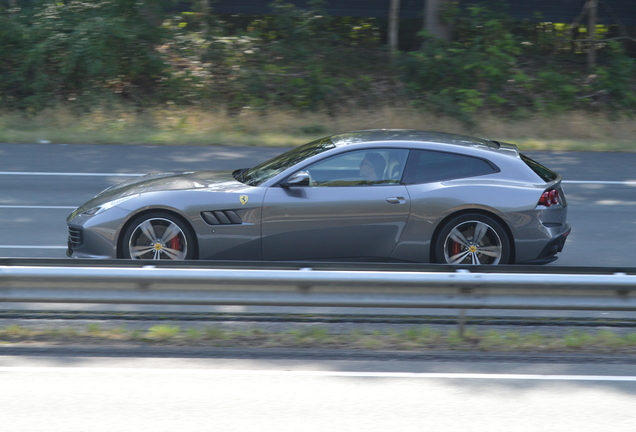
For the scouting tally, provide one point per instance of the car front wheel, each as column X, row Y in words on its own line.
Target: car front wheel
column 472, row 239
column 158, row 236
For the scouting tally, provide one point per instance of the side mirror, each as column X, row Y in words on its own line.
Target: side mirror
column 301, row 178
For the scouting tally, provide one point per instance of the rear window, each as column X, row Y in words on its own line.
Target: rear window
column 546, row 174
column 426, row 166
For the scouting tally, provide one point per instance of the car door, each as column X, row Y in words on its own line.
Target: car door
column 340, row 215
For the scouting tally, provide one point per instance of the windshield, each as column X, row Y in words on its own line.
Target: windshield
column 265, row 171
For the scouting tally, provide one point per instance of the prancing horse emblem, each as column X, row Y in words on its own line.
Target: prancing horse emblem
column 243, row 199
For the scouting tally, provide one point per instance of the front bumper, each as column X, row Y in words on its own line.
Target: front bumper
column 95, row 236
column 76, row 249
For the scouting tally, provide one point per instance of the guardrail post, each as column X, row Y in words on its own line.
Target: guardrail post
column 462, row 322
column 462, row 312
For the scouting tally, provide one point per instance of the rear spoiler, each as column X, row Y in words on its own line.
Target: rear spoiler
column 512, row 149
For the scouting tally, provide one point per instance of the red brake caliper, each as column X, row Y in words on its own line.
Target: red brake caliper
column 175, row 243
column 455, row 248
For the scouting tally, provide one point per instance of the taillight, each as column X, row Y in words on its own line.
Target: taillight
column 549, row 198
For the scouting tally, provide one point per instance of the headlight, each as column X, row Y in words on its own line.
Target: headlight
column 110, row 204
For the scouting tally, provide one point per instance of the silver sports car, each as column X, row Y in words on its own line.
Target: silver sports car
column 374, row 195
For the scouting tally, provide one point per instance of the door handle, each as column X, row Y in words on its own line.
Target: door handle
column 395, row 200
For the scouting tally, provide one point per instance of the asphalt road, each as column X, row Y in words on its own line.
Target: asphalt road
column 43, row 183
column 42, row 390
column 75, row 393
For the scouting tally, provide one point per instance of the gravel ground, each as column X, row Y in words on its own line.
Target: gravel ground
column 338, row 328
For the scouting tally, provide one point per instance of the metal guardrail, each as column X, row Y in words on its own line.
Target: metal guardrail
column 459, row 289
column 315, row 265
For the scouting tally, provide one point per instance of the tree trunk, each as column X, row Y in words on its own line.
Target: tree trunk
column 591, row 30
column 432, row 21
column 394, row 23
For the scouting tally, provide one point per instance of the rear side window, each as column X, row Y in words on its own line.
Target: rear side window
column 426, row 166
column 543, row 172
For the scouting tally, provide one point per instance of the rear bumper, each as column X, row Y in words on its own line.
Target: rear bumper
column 554, row 246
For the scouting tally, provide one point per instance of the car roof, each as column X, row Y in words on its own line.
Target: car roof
column 378, row 135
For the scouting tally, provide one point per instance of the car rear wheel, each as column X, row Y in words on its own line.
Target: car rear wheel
column 158, row 236
column 472, row 239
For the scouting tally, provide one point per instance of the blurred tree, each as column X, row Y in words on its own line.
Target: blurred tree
column 75, row 48
column 465, row 75
column 149, row 52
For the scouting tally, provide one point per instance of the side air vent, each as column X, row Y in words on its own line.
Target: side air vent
column 75, row 237
column 221, row 217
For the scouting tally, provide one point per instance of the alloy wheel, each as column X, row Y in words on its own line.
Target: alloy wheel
column 473, row 242
column 158, row 238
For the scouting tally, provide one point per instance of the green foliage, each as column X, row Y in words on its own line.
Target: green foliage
column 461, row 77
column 13, row 43
column 15, row 330
column 193, row 334
column 577, row 339
column 89, row 54
column 303, row 59
column 213, row 333
column 616, row 78
column 66, row 50
column 162, row 332
column 496, row 63
column 93, row 328
column 296, row 58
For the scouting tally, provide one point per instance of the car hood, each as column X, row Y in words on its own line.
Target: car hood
column 156, row 182
column 172, row 181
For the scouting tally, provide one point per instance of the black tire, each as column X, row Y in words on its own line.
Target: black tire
column 158, row 236
column 457, row 242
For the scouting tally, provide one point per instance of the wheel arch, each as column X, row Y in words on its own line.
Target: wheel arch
column 479, row 211
column 171, row 212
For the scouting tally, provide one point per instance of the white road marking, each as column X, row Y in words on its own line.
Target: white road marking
column 71, row 174
column 32, row 247
column 480, row 376
column 37, row 207
column 25, row 173
column 601, row 182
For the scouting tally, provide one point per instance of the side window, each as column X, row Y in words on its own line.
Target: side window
column 430, row 166
column 360, row 168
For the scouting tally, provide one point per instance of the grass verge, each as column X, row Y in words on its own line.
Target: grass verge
column 572, row 131
column 417, row 338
